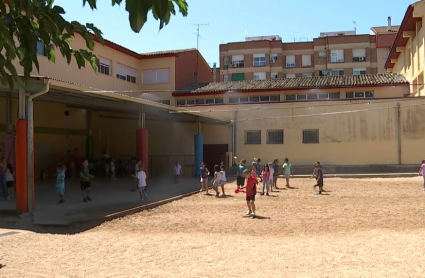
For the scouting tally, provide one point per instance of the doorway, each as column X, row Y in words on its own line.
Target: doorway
column 214, row 154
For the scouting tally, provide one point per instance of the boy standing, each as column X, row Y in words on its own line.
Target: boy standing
column 288, row 171
column 422, row 171
column 141, row 176
column 319, row 177
column 240, row 180
column 85, row 181
column 177, row 172
column 251, row 191
column 60, row 183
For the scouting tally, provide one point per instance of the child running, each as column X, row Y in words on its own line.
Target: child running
column 266, row 179
column 177, row 172
column 240, row 180
column 422, row 171
column 251, row 191
column 141, row 177
column 319, row 178
column 9, row 180
column 60, row 183
column 85, row 181
column 287, row 167
column 216, row 180
column 223, row 179
column 204, row 173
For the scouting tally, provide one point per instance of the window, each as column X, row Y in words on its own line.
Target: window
column 41, row 50
column 337, row 73
column 318, row 96
column 160, row 76
column 322, row 54
column 359, row 55
column 273, row 58
column 226, row 62
column 290, row 75
column 337, row 56
column 385, row 54
column 275, row 75
column 266, row 98
column 274, row 136
column 290, row 61
column 252, row 137
column 306, row 61
column 310, row 136
column 167, row 102
column 238, row 76
column 307, row 75
column 202, row 101
column 104, row 66
column 259, row 60
column 259, row 75
column 359, row 71
column 126, row 74
column 226, row 78
column 238, row 61
column 365, row 94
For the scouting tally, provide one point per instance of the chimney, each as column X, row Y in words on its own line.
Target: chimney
column 389, row 23
column 214, row 71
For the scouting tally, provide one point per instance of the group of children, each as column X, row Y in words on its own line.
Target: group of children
column 218, row 180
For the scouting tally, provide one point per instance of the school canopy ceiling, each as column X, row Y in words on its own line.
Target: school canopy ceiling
column 80, row 96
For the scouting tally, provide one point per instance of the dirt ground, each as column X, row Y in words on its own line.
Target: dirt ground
column 360, row 228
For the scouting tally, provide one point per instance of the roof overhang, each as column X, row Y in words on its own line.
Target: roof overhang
column 408, row 26
column 76, row 95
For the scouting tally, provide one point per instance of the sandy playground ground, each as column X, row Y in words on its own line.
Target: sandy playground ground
column 360, row 228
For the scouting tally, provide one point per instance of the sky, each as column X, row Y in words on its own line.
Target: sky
column 228, row 20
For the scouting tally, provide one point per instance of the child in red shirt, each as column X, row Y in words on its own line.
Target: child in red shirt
column 251, row 191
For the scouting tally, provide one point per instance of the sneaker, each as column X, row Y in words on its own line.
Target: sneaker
column 262, row 194
column 248, row 212
column 85, row 200
column 267, row 194
column 61, row 201
column 88, row 198
column 253, row 214
column 319, row 193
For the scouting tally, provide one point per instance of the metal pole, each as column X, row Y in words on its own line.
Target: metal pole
column 399, row 133
column 9, row 126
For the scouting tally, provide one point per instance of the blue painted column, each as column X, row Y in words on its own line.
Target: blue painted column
column 199, row 153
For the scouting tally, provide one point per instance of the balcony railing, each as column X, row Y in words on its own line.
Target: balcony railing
column 238, row 64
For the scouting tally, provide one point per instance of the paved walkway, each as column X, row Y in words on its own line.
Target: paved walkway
column 108, row 197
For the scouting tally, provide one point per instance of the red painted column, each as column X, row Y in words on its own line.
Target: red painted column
column 142, row 148
column 21, row 166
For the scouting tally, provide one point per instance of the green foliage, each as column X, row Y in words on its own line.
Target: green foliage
column 26, row 23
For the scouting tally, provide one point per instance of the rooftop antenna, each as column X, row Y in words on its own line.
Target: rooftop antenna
column 246, row 34
column 197, row 47
column 197, row 32
column 355, row 27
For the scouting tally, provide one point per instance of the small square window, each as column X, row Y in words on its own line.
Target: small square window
column 334, row 96
column 275, row 98
column 274, row 136
column 181, row 102
column 359, row 94
column 233, row 100
column 219, row 100
column 254, row 99
column 323, row 96
column 312, row 96
column 264, row 98
column 301, row 97
column 253, row 137
column 210, row 101
column 190, row 102
column 368, row 94
column 349, row 95
column 243, row 99
column 200, row 101
column 290, row 97
column 310, row 136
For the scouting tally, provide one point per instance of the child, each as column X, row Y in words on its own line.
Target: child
column 254, row 171
column 216, row 180
column 85, row 181
column 266, row 179
column 72, row 168
column 204, row 173
column 107, row 167
column 60, row 183
column 251, row 191
column 275, row 172
column 141, row 177
column 177, row 172
column 9, row 180
column 112, row 167
column 223, row 179
column 287, row 167
column 319, row 178
column 272, row 173
column 422, row 171
column 240, row 180
column 137, row 167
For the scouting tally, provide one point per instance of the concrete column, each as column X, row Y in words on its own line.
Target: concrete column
column 89, row 138
column 142, row 145
column 30, row 155
column 199, row 148
column 21, row 145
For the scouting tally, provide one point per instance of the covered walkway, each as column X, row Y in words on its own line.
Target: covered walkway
column 19, row 139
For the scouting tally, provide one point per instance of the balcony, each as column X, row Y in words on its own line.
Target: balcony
column 238, row 64
column 359, row 59
column 226, row 66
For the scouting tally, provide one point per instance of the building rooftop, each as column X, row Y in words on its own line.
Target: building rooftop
column 166, row 52
column 365, row 80
column 384, row 29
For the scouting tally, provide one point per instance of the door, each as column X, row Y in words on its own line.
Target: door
column 214, row 154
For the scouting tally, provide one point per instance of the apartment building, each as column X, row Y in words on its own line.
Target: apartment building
column 333, row 53
column 385, row 36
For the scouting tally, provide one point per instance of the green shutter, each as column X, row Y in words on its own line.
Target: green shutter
column 238, row 76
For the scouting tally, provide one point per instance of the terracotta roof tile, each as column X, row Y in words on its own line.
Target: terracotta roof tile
column 298, row 83
column 177, row 51
column 384, row 29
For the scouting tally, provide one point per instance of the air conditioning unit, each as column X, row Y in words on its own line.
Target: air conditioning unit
column 362, row 59
column 327, row 73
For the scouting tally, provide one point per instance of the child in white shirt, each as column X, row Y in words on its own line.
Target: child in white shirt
column 141, row 176
column 177, row 172
column 112, row 167
column 271, row 175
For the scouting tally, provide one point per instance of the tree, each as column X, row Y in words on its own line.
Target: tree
column 26, row 23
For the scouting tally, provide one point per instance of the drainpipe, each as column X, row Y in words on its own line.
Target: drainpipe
column 30, row 146
column 399, row 133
